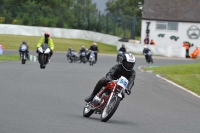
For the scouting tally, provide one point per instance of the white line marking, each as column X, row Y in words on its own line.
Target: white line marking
column 140, row 68
column 194, row 94
column 178, row 86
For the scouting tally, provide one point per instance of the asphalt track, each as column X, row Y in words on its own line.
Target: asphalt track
column 33, row 100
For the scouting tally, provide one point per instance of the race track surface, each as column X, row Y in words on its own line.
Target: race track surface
column 51, row 100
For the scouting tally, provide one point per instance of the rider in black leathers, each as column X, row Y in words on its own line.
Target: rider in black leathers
column 69, row 52
column 125, row 69
column 93, row 48
column 83, row 49
column 145, row 52
column 27, row 51
column 123, row 49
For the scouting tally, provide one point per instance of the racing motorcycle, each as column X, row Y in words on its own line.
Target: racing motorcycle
column 83, row 57
column 92, row 58
column 120, row 56
column 44, row 54
column 107, row 100
column 23, row 54
column 149, row 57
column 72, row 57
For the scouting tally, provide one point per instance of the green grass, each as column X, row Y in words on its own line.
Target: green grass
column 9, row 57
column 61, row 44
column 187, row 75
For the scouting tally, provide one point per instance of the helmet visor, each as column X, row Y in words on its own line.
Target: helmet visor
column 128, row 65
column 46, row 35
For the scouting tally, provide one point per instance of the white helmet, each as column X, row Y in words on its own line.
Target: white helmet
column 128, row 62
column 145, row 46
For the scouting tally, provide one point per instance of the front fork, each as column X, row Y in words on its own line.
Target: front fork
column 110, row 96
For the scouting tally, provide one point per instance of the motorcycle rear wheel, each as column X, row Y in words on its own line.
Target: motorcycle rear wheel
column 110, row 110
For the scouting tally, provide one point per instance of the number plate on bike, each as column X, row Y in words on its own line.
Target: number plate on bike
column 123, row 82
column 23, row 48
column 83, row 54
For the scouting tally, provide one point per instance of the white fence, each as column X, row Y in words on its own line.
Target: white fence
column 89, row 35
column 58, row 32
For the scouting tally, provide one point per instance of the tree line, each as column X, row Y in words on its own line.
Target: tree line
column 118, row 18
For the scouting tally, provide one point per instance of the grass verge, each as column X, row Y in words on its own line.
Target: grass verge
column 9, row 57
column 187, row 75
column 61, row 44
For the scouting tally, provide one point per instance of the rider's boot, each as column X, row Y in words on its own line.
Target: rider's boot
column 95, row 91
column 90, row 98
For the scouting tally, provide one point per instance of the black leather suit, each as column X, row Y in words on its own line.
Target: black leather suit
column 115, row 73
column 82, row 50
column 145, row 51
column 93, row 48
column 122, row 49
column 27, row 51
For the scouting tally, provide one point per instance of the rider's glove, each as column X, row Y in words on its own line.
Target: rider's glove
column 107, row 80
column 128, row 91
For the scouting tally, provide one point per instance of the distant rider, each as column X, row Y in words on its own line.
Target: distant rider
column 94, row 47
column 123, row 49
column 69, row 52
column 46, row 39
column 125, row 69
column 83, row 49
column 27, row 51
column 145, row 52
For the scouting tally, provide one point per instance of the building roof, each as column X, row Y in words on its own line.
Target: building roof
column 172, row 10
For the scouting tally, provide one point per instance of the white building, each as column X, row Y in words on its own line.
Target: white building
column 171, row 22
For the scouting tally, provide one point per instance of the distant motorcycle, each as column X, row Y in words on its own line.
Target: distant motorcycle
column 72, row 56
column 149, row 57
column 92, row 58
column 107, row 100
column 120, row 56
column 23, row 53
column 83, row 57
column 44, row 54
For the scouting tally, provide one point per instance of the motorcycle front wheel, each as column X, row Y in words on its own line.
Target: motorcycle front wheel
column 110, row 109
column 84, row 59
column 151, row 60
column 42, row 62
column 87, row 112
column 23, row 58
column 70, row 60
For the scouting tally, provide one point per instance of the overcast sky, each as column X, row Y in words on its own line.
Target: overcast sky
column 101, row 4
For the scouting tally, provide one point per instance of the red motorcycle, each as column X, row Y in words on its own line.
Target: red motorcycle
column 107, row 100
